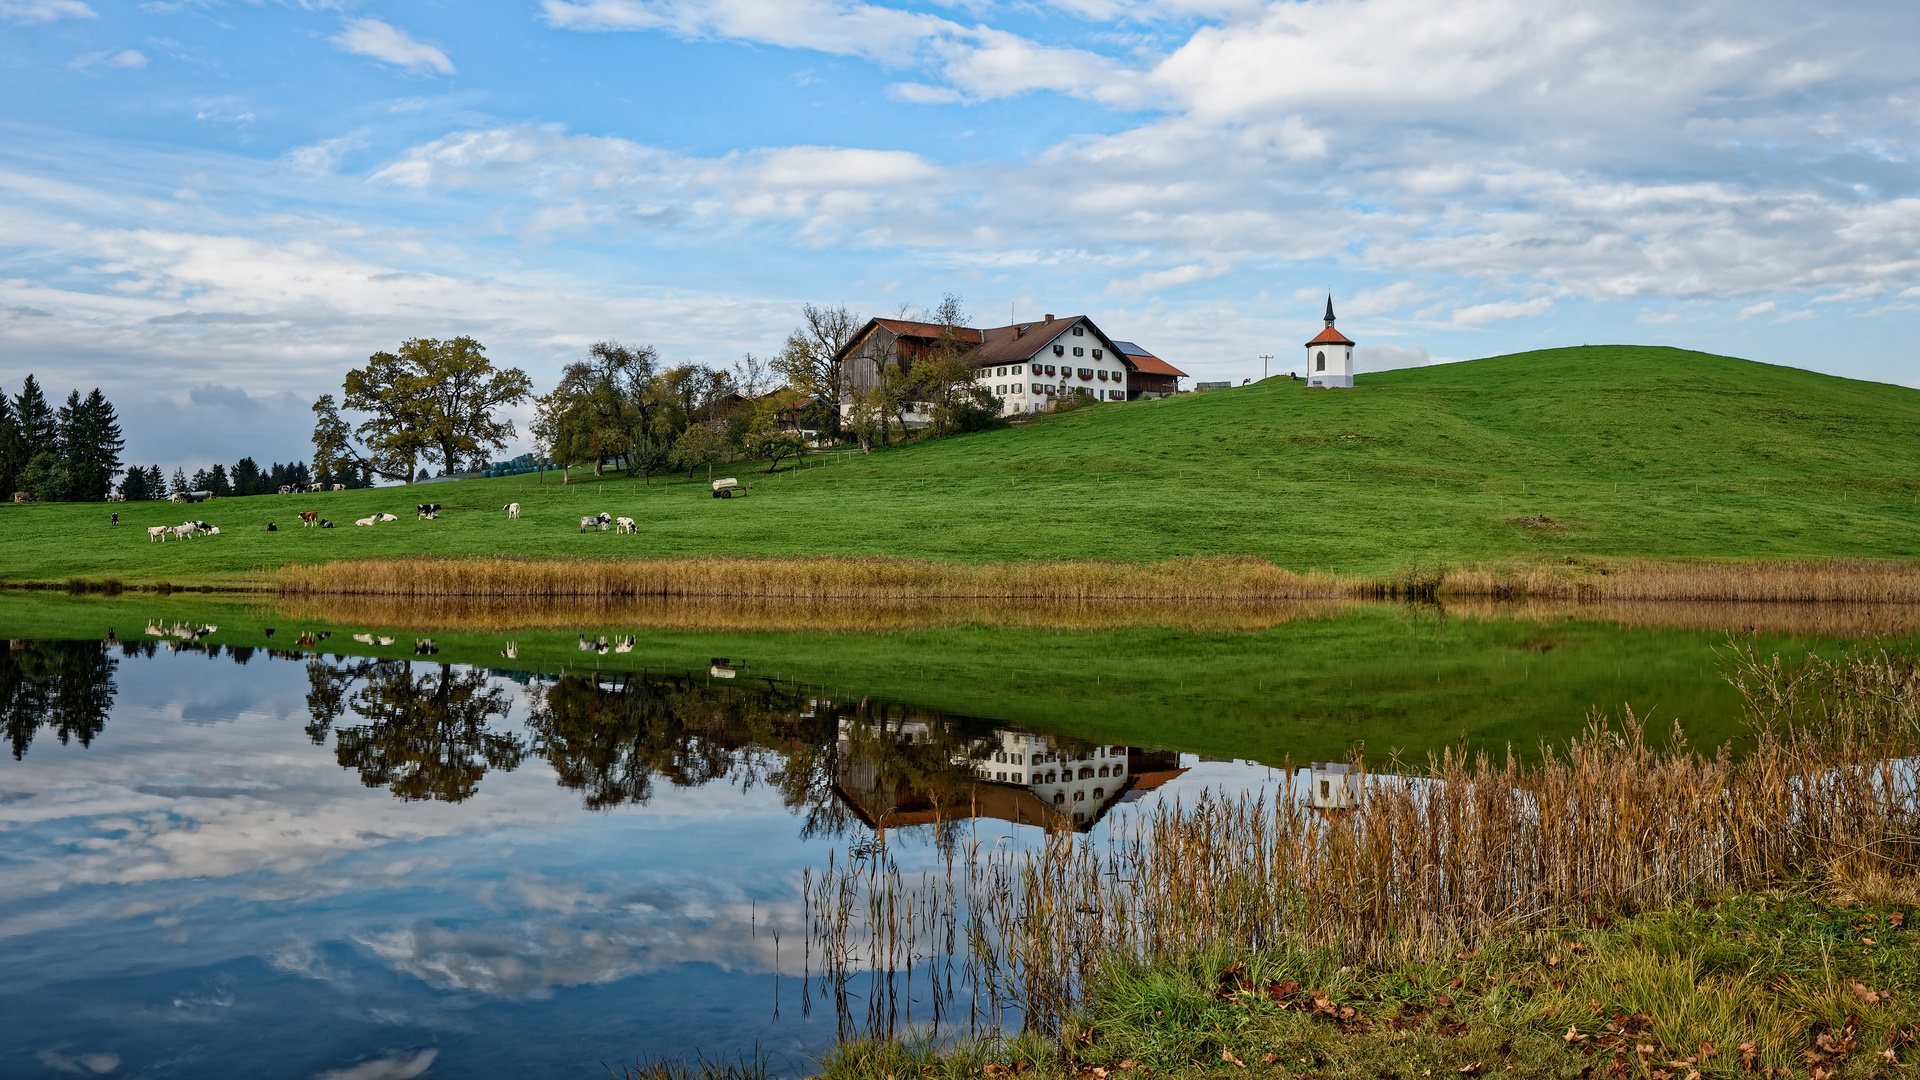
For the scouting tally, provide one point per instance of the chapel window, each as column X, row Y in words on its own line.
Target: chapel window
column 1320, row 361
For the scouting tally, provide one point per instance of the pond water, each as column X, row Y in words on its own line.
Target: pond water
column 252, row 840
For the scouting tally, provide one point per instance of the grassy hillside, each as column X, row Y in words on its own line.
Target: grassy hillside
column 1626, row 451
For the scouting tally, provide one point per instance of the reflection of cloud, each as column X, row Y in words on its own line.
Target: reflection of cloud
column 80, row 1063
column 401, row 1066
column 566, row 933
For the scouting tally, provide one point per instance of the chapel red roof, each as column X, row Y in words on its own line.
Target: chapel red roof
column 1330, row 336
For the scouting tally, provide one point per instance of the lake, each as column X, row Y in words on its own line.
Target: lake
column 363, row 840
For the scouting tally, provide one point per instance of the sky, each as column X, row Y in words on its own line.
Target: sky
column 212, row 210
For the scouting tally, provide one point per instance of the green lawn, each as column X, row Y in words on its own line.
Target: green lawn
column 1629, row 451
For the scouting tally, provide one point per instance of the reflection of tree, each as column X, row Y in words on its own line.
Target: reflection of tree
column 609, row 739
column 63, row 685
column 892, row 760
column 425, row 736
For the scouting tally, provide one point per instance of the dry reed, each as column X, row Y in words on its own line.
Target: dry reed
column 1198, row 578
column 1435, row 860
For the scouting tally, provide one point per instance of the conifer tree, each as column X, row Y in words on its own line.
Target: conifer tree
column 37, row 423
column 180, row 482
column 134, row 485
column 156, row 483
column 13, row 450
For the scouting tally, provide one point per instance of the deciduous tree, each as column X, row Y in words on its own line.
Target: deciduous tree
column 806, row 361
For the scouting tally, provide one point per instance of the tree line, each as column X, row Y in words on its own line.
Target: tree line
column 69, row 454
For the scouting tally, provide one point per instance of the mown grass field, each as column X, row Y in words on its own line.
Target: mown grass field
column 1627, row 451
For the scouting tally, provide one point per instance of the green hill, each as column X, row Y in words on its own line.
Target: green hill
column 1593, row 451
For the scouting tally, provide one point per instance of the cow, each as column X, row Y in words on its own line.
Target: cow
column 315, row 489
column 184, row 532
column 625, row 525
column 598, row 521
column 271, row 527
column 511, row 652
column 156, row 532
column 116, row 519
column 339, row 487
column 425, row 510
column 425, row 647
column 116, row 496
column 366, row 521
column 364, row 639
column 309, row 518
column 513, row 511
column 325, row 524
column 286, row 489
column 388, row 517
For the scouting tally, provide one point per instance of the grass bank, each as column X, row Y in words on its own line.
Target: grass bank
column 1515, row 464
column 1613, row 908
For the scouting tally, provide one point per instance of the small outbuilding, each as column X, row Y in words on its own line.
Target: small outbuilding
column 1330, row 356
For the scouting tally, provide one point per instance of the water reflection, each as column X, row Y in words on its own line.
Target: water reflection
column 426, row 735
column 64, row 686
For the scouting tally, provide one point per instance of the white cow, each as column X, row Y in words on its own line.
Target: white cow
column 590, row 523
column 156, row 532
column 364, row 639
column 388, row 517
column 366, row 521
column 625, row 525
column 513, row 511
column 184, row 532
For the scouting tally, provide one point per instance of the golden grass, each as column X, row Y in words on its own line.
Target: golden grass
column 1209, row 578
column 1427, row 860
column 485, row 614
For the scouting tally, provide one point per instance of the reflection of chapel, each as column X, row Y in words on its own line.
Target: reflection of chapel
column 1330, row 356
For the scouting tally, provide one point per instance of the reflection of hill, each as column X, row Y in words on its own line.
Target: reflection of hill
column 64, row 686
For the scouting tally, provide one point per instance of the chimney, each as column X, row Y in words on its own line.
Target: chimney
column 1049, row 316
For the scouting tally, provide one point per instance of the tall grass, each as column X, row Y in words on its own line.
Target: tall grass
column 1429, row 861
column 1208, row 578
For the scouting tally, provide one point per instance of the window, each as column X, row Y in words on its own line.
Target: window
column 1116, row 395
column 1036, row 388
column 1320, row 361
column 1099, row 793
column 1049, row 369
column 1079, row 331
column 1096, row 354
column 1001, row 776
column 1018, row 760
column 1079, row 796
column 1001, row 758
column 1002, row 372
column 1059, row 350
column 1086, row 373
column 1326, row 789
column 1078, row 351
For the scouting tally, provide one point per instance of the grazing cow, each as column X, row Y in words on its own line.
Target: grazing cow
column 511, row 652
column 156, row 532
column 286, row 489
column 325, row 524
column 339, row 487
column 386, row 641
column 116, row 496
column 625, row 525
column 184, row 532
column 364, row 639
column 366, row 521
column 513, row 511
column 623, row 644
column 309, row 518
column 388, row 517
column 425, row 510
column 425, row 647
column 589, row 523
column 116, row 519
column 271, row 527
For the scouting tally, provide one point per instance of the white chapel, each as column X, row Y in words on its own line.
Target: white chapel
column 1330, row 356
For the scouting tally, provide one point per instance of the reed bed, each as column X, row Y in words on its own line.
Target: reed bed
column 823, row 578
column 1425, row 862
column 1198, row 578
column 801, row 615
column 1794, row 581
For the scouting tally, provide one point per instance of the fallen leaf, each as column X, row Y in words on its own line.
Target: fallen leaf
column 1553, row 961
column 1470, row 1070
column 1578, row 946
column 1573, row 1034
column 1226, row 1055
column 1643, row 1049
column 1866, row 941
column 1749, row 1053
column 1897, row 918
column 1553, row 1012
column 1888, row 1055
column 1098, row 1073
column 1129, row 1064
column 1268, row 1059
column 1870, row 997
column 1662, row 1074
column 1444, row 1000
column 1453, row 1031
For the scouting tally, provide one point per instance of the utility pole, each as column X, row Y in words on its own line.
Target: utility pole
column 1264, row 357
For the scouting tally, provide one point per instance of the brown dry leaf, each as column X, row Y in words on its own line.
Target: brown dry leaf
column 1662, row 1074
column 1888, row 1055
column 1693, row 1074
column 1573, row 1034
column 1226, row 1055
column 1870, row 997
column 1553, row 961
column 1129, row 1065
column 1268, row 1059
column 1553, row 1012
column 1098, row 1073
column 1444, row 1000
column 1707, row 1050
column 1470, row 1070
column 1578, row 946
column 1749, row 1053
column 1643, row 1048
column 1866, row 941
column 1897, row 918
column 1467, row 955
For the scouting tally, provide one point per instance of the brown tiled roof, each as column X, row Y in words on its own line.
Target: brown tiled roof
column 1149, row 364
column 909, row 328
column 1330, row 336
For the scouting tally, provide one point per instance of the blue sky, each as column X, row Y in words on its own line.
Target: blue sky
column 212, row 209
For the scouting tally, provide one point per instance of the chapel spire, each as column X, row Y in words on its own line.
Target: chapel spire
column 1329, row 309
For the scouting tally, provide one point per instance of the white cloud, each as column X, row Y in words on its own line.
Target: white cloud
column 402, row 1066
column 38, row 11
column 1166, row 279
column 1499, row 310
column 1762, row 308
column 390, row 44
column 126, row 59
column 1389, row 357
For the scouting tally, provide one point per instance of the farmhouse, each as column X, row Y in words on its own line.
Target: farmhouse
column 1027, row 366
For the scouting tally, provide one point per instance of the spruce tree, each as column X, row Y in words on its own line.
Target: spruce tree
column 180, row 482
column 134, row 485
column 246, row 478
column 13, row 450
column 156, row 483
column 37, row 423
column 90, row 443
column 219, row 485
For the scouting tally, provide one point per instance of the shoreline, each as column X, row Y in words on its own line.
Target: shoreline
column 1196, row 578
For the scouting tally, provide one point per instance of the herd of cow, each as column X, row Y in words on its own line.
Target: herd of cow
column 422, row 512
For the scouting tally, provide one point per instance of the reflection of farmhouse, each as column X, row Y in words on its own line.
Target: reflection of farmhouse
column 1026, row 779
column 1025, row 365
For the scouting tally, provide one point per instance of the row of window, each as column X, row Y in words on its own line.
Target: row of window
column 1055, row 756
column 1014, row 388
column 1050, row 369
column 1087, row 772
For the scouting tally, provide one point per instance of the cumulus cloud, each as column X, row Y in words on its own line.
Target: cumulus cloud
column 1499, row 310
column 1389, row 357
column 39, row 11
column 390, row 44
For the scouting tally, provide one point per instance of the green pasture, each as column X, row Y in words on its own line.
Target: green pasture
column 1411, row 679
column 1626, row 450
